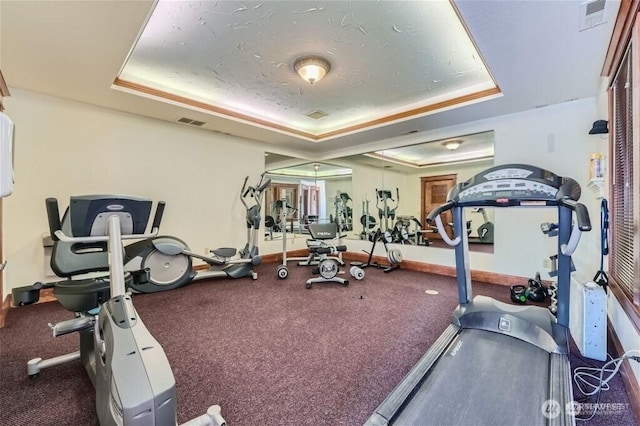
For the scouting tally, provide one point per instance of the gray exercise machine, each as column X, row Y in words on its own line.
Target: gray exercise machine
column 484, row 231
column 386, row 212
column 311, row 259
column 496, row 363
column 169, row 259
column 128, row 368
column 328, row 255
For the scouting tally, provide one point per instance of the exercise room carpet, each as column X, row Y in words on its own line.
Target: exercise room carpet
column 269, row 352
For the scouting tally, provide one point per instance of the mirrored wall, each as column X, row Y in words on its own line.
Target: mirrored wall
column 395, row 189
column 300, row 194
column 390, row 191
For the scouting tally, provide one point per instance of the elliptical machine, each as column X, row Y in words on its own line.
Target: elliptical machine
column 157, row 263
column 169, row 259
column 344, row 213
column 386, row 212
column 129, row 369
column 368, row 222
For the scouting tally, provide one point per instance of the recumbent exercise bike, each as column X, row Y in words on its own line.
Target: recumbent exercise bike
column 129, row 369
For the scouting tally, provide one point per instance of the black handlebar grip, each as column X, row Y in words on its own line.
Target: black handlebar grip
column 440, row 209
column 245, row 193
column 264, row 185
column 157, row 218
column 582, row 214
column 53, row 215
column 244, row 185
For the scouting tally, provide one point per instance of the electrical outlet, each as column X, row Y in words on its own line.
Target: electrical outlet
column 546, row 263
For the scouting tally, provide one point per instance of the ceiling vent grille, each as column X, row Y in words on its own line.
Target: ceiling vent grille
column 591, row 14
column 317, row 114
column 186, row 120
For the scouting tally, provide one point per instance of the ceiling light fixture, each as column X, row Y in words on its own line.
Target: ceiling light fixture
column 452, row 145
column 311, row 68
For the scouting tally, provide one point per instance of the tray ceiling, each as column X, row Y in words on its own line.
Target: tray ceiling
column 390, row 61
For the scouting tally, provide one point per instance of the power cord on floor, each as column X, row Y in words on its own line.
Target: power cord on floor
column 589, row 382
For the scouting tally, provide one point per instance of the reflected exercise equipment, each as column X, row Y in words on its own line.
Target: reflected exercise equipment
column 344, row 212
column 385, row 211
column 394, row 256
column 484, row 231
column 367, row 221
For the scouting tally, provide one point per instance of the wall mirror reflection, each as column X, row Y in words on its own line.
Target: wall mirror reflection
column 300, row 194
column 395, row 189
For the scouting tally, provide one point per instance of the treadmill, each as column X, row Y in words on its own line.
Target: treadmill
column 496, row 363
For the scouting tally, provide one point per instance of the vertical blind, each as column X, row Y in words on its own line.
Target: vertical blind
column 624, row 247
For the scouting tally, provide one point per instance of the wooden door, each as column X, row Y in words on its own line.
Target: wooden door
column 434, row 194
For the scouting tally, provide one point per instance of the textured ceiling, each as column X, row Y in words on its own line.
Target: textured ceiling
column 236, row 59
column 539, row 53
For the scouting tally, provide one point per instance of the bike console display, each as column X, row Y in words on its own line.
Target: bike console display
column 514, row 185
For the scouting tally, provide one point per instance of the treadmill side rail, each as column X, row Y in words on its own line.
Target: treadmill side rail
column 561, row 389
column 388, row 409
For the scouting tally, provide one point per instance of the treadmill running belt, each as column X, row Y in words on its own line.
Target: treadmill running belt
column 483, row 378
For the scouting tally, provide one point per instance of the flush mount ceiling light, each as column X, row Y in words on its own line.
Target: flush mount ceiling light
column 452, row 145
column 311, row 68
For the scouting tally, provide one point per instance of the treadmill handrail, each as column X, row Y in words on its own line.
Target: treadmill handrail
column 434, row 216
column 582, row 214
column 569, row 248
column 582, row 224
column 440, row 209
column 444, row 234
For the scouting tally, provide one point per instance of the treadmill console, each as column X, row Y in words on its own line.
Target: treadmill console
column 514, row 185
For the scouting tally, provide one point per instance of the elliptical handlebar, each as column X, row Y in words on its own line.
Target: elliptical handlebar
column 259, row 188
column 263, row 185
column 244, row 185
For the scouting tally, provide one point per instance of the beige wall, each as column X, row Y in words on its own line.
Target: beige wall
column 65, row 148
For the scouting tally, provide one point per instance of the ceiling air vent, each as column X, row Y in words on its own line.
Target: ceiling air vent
column 591, row 14
column 317, row 114
column 186, row 120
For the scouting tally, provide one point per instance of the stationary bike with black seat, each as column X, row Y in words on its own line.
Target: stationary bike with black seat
column 129, row 369
column 328, row 262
